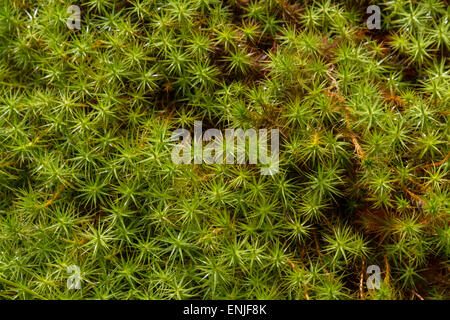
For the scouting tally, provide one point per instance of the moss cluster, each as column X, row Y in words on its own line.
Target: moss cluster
column 86, row 176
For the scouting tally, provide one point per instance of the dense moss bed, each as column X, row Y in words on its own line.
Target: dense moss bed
column 92, row 205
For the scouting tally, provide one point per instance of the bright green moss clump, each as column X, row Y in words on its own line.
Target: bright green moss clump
column 86, row 176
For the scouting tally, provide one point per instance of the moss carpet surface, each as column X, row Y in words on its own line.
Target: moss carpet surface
column 88, row 188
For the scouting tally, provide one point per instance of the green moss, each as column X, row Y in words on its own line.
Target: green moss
column 86, row 176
